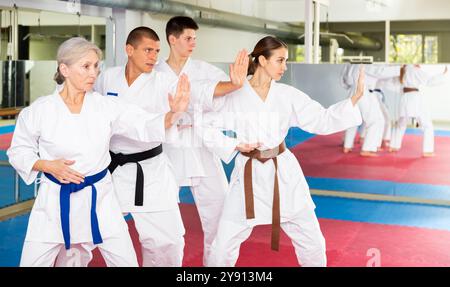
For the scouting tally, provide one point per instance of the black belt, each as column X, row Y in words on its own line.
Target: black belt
column 378, row 91
column 121, row 159
column 375, row 90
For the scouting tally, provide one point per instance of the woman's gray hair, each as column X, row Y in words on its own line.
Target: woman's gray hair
column 71, row 51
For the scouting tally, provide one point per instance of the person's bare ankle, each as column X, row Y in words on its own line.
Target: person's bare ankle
column 368, row 154
column 428, row 154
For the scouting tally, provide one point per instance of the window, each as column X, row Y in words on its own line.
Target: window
column 300, row 54
column 413, row 48
column 431, row 50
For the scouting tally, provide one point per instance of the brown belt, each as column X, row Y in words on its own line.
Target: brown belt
column 264, row 156
column 409, row 90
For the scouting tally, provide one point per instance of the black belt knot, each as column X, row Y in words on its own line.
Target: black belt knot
column 121, row 159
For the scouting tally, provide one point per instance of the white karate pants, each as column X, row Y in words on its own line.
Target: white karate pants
column 209, row 196
column 304, row 232
column 117, row 251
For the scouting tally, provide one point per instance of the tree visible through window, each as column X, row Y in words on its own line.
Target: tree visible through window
column 413, row 49
column 431, row 50
column 300, row 54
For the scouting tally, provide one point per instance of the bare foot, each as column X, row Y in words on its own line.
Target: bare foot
column 347, row 150
column 380, row 149
column 368, row 154
column 428, row 154
column 393, row 149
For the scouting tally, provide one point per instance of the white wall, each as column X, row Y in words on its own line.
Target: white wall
column 358, row 10
column 49, row 7
column 255, row 8
column 41, row 78
column 362, row 10
column 222, row 45
column 213, row 44
column 30, row 18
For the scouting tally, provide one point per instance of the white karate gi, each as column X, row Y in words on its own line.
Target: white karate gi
column 412, row 105
column 393, row 90
column 158, row 221
column 194, row 165
column 387, row 131
column 371, row 111
column 268, row 123
column 384, row 85
column 47, row 130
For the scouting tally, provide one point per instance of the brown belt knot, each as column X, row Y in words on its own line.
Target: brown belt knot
column 264, row 156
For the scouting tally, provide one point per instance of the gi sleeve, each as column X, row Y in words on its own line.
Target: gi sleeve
column 202, row 91
column 131, row 121
column 436, row 80
column 24, row 150
column 312, row 117
column 382, row 71
column 211, row 130
column 345, row 83
column 202, row 96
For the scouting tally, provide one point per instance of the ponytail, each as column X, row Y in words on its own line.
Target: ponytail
column 264, row 48
column 252, row 65
column 58, row 78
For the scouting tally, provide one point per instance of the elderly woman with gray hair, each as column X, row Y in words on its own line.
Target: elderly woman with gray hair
column 66, row 136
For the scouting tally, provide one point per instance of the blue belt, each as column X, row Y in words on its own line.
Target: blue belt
column 64, row 203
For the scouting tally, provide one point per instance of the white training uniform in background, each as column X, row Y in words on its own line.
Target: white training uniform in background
column 194, row 165
column 47, row 130
column 371, row 111
column 158, row 221
column 412, row 105
column 268, row 123
column 392, row 90
column 383, row 89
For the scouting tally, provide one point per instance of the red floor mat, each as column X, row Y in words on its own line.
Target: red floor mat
column 5, row 141
column 322, row 156
column 348, row 244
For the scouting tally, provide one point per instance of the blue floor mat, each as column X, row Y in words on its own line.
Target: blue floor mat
column 383, row 187
column 405, row 214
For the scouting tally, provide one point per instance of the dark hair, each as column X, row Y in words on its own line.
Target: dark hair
column 176, row 25
column 136, row 35
column 264, row 47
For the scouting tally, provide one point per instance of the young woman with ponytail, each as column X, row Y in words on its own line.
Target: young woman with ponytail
column 267, row 185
